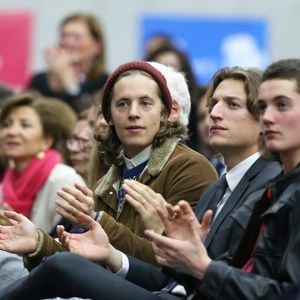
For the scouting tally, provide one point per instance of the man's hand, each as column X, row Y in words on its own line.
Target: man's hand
column 21, row 237
column 145, row 201
column 187, row 254
column 93, row 244
column 177, row 221
column 73, row 201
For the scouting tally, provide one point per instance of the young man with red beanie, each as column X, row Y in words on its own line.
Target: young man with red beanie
column 142, row 144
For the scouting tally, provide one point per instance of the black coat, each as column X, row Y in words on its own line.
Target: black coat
column 276, row 255
column 81, row 101
column 250, row 188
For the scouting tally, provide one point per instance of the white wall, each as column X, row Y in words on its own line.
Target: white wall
column 120, row 20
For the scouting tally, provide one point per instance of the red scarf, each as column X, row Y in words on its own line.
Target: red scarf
column 20, row 190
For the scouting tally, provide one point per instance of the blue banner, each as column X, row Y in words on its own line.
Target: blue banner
column 211, row 43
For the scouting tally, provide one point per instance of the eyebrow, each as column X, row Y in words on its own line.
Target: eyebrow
column 281, row 97
column 227, row 98
column 276, row 98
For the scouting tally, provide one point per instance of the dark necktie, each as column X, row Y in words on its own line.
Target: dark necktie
column 218, row 195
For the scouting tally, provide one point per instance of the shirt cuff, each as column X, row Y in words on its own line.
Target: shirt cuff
column 125, row 266
column 40, row 244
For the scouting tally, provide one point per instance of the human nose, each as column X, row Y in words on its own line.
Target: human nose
column 216, row 111
column 267, row 116
column 67, row 40
column 134, row 110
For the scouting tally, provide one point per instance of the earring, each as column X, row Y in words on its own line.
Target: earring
column 40, row 155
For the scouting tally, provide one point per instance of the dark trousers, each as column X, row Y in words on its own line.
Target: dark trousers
column 67, row 275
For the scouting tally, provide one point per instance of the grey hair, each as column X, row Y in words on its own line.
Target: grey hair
column 178, row 88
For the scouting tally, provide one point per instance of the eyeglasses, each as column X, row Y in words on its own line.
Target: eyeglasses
column 80, row 143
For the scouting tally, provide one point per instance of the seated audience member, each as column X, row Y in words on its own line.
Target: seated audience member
column 251, row 173
column 76, row 66
column 176, row 58
column 5, row 92
column 80, row 144
column 169, row 55
column 32, row 132
column 266, row 263
column 205, row 147
column 137, row 103
column 145, row 146
column 179, row 113
column 156, row 41
column 98, row 167
column 248, row 171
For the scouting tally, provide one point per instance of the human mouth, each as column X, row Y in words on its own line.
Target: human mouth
column 76, row 162
column 270, row 134
column 134, row 129
column 11, row 144
column 216, row 128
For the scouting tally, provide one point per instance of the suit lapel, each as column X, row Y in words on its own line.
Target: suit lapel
column 235, row 197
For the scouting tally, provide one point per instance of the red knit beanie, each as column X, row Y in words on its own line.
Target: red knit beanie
column 135, row 65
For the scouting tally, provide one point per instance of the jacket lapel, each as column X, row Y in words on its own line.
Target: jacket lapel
column 235, row 197
column 111, row 181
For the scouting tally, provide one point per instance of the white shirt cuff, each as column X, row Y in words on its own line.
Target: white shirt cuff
column 125, row 266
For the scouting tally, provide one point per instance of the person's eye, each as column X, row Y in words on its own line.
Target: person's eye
column 233, row 104
column 6, row 124
column 122, row 104
column 26, row 125
column 282, row 106
column 146, row 103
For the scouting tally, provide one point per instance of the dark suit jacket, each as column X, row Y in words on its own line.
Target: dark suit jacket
column 249, row 189
column 221, row 235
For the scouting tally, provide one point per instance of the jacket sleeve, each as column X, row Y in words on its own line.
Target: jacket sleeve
column 126, row 241
column 224, row 282
column 152, row 279
column 185, row 181
column 46, row 247
column 188, row 179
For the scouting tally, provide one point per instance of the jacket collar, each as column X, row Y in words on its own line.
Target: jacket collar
column 158, row 158
column 282, row 188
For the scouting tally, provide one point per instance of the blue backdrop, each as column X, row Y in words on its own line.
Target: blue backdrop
column 211, row 43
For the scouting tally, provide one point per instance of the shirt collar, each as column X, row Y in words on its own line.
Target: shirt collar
column 234, row 175
column 138, row 159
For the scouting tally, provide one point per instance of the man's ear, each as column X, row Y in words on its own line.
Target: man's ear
column 175, row 111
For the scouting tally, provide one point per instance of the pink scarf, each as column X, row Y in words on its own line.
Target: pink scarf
column 20, row 190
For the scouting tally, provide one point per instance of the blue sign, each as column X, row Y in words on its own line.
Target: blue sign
column 212, row 43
